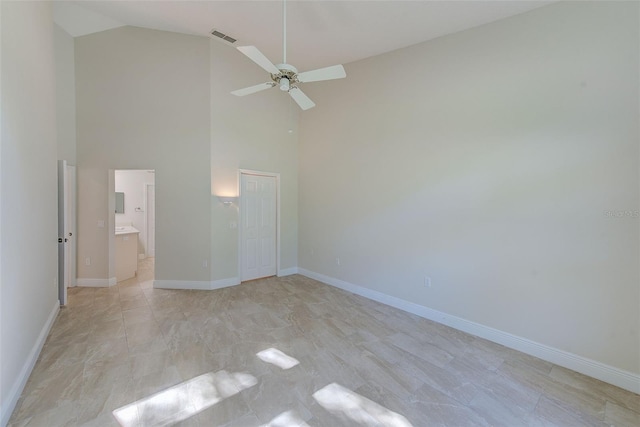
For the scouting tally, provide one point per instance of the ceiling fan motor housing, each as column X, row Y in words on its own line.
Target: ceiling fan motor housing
column 287, row 72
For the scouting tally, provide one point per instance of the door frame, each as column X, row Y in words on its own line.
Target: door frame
column 146, row 219
column 258, row 173
column 71, row 225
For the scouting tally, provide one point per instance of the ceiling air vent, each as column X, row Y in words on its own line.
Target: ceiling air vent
column 223, row 36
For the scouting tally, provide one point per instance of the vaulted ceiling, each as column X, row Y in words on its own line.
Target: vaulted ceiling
column 320, row 33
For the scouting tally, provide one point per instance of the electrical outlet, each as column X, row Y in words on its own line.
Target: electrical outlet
column 87, row 261
column 427, row 281
column 205, row 263
column 337, row 261
column 101, row 223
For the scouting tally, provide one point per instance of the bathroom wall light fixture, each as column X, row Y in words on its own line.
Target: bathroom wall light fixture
column 227, row 201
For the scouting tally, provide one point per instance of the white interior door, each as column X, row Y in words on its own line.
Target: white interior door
column 70, row 227
column 151, row 220
column 63, row 273
column 258, row 215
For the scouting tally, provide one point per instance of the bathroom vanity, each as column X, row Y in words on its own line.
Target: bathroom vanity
column 126, row 252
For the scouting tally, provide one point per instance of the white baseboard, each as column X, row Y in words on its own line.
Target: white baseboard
column 96, row 283
column 202, row 285
column 9, row 401
column 287, row 271
column 225, row 283
column 609, row 374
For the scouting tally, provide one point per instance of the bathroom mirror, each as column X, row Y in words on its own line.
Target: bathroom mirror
column 120, row 203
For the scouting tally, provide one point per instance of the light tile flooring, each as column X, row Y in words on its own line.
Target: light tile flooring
column 289, row 352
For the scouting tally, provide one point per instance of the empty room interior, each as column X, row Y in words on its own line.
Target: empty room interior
column 320, row 213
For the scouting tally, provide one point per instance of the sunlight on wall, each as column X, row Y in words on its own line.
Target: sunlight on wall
column 278, row 358
column 183, row 400
column 340, row 400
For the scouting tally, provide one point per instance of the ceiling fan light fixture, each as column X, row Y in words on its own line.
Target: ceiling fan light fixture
column 284, row 84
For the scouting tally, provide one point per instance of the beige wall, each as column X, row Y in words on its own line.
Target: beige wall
column 28, row 171
column 249, row 133
column 143, row 103
column 65, row 95
column 121, row 125
column 488, row 160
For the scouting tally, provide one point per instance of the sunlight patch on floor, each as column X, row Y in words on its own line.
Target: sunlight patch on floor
column 183, row 400
column 342, row 401
column 278, row 358
column 286, row 419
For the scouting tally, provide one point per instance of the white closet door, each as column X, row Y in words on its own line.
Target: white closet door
column 258, row 215
column 63, row 231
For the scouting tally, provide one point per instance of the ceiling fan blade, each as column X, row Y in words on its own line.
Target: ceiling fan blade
column 256, row 56
column 253, row 89
column 301, row 99
column 327, row 73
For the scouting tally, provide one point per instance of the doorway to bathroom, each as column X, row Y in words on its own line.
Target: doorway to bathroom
column 135, row 224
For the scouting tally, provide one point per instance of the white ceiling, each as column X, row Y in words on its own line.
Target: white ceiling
column 320, row 33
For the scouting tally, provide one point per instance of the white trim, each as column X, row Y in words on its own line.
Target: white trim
column 609, row 374
column 96, row 283
column 287, row 271
column 9, row 403
column 146, row 216
column 259, row 173
column 225, row 283
column 201, row 285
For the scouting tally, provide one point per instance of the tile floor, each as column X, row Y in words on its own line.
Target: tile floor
column 289, row 351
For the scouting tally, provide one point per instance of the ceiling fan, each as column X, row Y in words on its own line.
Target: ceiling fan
column 286, row 76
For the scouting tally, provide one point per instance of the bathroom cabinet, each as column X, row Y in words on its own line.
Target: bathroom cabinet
column 126, row 253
